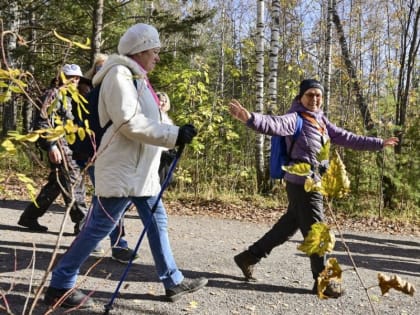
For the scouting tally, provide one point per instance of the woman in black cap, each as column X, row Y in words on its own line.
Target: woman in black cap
column 305, row 208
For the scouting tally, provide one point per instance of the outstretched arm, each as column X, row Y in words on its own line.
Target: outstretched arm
column 238, row 111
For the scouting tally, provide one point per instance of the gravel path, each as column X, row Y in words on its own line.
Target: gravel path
column 205, row 246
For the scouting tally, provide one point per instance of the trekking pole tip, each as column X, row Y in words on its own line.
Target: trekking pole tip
column 107, row 309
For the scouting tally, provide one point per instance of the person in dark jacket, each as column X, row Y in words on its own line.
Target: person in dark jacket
column 305, row 208
column 65, row 175
column 119, row 245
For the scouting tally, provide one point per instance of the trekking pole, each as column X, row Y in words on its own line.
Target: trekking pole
column 165, row 183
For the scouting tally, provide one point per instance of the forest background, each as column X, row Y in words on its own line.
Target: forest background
column 366, row 53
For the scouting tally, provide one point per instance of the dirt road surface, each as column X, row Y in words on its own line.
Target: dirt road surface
column 205, row 246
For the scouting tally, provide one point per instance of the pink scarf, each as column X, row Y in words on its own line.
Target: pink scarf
column 153, row 92
column 151, row 88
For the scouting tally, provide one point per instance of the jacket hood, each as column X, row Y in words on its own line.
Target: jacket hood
column 115, row 60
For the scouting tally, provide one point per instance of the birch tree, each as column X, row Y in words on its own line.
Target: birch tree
column 259, row 91
column 97, row 26
column 9, row 116
column 328, row 52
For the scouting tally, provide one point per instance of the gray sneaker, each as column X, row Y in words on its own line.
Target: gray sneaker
column 123, row 255
column 186, row 286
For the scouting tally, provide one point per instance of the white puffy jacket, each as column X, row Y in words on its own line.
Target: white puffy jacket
column 129, row 154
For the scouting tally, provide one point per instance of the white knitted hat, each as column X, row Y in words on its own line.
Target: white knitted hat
column 138, row 38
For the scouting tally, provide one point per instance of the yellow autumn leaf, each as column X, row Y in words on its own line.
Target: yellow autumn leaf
column 83, row 46
column 70, row 127
column 58, row 121
column 334, row 182
column 71, row 138
column 24, row 179
column 301, row 169
column 30, row 137
column 80, row 45
column 5, row 96
column 87, row 128
column 324, row 153
column 311, row 185
column 4, row 74
column 9, row 73
column 29, row 183
column 61, row 37
column 54, row 134
column 193, row 304
column 320, row 240
column 331, row 273
column 13, row 134
column 81, row 133
column 395, row 282
column 8, row 146
column 15, row 89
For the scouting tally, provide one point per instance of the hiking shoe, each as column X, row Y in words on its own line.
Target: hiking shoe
column 76, row 298
column 186, row 286
column 333, row 290
column 32, row 224
column 246, row 261
column 123, row 255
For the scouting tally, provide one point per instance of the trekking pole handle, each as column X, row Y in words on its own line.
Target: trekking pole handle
column 180, row 150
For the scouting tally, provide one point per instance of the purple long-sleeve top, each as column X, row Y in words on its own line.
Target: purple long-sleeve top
column 309, row 143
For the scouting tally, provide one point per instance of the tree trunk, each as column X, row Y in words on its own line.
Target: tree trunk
column 410, row 41
column 273, row 66
column 328, row 51
column 10, row 111
column 367, row 119
column 97, row 26
column 259, row 106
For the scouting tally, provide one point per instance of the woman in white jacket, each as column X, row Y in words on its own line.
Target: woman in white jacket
column 127, row 165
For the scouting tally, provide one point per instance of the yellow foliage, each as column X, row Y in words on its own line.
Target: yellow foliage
column 29, row 183
column 395, row 282
column 324, row 153
column 301, row 169
column 80, row 45
column 331, row 273
column 311, row 185
column 8, row 146
column 334, row 182
column 320, row 240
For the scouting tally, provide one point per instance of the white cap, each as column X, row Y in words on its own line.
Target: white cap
column 72, row 70
column 138, row 38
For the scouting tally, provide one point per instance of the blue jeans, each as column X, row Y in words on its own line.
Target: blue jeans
column 104, row 217
column 117, row 235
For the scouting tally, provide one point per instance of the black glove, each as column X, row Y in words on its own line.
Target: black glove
column 186, row 134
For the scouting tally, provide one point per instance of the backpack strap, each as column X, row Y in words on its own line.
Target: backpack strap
column 296, row 134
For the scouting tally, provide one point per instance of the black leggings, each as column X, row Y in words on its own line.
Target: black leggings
column 304, row 209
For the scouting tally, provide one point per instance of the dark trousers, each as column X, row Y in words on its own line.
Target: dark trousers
column 304, row 209
column 60, row 181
